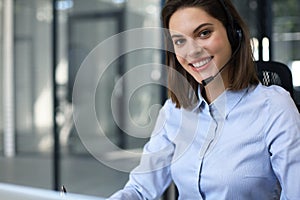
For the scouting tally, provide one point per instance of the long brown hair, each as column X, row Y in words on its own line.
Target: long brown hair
column 183, row 91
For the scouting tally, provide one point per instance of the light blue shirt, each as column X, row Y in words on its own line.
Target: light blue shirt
column 244, row 145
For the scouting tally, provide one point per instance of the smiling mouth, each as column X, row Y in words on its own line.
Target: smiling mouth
column 201, row 63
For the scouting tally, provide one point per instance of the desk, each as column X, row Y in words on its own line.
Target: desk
column 16, row 192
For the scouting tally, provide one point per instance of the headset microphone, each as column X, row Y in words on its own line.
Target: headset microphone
column 211, row 78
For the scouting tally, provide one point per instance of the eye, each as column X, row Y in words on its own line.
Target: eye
column 205, row 33
column 179, row 42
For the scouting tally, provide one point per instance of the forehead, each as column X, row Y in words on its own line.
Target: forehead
column 185, row 20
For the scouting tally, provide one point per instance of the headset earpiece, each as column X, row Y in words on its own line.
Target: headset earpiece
column 234, row 32
column 237, row 37
column 240, row 34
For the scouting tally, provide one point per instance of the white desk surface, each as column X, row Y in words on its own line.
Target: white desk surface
column 16, row 192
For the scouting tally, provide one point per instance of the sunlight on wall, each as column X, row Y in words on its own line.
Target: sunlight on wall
column 295, row 68
column 43, row 109
column 266, row 49
column 255, row 45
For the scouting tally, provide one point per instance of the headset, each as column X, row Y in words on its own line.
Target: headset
column 234, row 34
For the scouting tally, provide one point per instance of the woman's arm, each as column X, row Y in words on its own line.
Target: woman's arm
column 284, row 145
column 150, row 179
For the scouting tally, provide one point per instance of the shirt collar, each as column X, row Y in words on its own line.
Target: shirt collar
column 200, row 101
column 225, row 103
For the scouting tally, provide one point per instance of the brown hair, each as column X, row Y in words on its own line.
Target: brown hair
column 183, row 91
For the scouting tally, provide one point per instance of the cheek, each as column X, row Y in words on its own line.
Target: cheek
column 222, row 46
column 179, row 58
column 181, row 55
column 215, row 45
column 182, row 61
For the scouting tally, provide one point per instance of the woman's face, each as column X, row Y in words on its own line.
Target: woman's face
column 200, row 42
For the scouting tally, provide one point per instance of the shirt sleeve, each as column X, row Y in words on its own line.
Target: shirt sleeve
column 152, row 176
column 283, row 140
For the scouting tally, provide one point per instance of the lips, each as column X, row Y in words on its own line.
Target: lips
column 201, row 63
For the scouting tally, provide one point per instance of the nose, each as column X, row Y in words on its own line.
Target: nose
column 194, row 49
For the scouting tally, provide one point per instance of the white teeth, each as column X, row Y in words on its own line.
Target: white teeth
column 201, row 63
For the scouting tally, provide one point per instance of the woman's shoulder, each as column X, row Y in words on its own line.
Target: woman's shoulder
column 272, row 91
column 170, row 106
column 169, row 109
column 274, row 95
column 170, row 113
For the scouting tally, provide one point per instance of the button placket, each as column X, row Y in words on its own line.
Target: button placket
column 216, row 124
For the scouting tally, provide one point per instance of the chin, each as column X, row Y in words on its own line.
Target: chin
column 199, row 80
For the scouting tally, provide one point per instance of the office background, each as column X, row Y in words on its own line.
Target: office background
column 42, row 46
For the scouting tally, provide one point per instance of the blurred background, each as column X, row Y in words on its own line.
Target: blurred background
column 42, row 46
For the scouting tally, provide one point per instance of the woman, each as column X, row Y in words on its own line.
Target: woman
column 221, row 135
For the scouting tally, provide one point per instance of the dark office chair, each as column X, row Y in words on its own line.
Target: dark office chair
column 276, row 73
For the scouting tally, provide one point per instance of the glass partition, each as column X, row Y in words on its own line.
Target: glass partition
column 123, row 93
column 82, row 26
column 32, row 98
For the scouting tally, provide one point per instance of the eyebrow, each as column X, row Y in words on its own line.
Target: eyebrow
column 201, row 26
column 194, row 32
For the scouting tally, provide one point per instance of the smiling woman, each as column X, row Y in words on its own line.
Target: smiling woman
column 222, row 134
column 203, row 46
column 214, row 27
